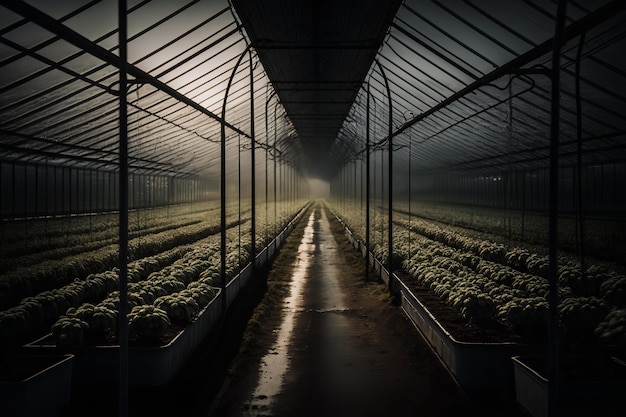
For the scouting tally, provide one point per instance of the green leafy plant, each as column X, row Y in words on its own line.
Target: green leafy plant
column 612, row 330
column 147, row 324
column 69, row 331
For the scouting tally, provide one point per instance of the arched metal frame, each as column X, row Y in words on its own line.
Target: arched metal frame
column 223, row 169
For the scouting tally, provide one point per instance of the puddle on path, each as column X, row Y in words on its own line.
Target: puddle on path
column 274, row 363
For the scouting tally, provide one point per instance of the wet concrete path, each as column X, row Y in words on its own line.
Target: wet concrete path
column 341, row 351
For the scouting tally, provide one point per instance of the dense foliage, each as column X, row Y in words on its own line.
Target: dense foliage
column 484, row 279
column 175, row 270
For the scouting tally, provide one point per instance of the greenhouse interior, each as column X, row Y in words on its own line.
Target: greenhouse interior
column 439, row 177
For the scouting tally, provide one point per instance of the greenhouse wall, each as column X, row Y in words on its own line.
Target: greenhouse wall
column 51, row 190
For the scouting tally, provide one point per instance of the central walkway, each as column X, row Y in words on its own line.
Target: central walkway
column 342, row 351
column 326, row 372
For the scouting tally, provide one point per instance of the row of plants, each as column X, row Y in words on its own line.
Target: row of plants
column 58, row 234
column 597, row 280
column 74, row 241
column 68, row 235
column 30, row 274
column 33, row 315
column 45, row 275
column 167, row 299
column 524, row 226
column 173, row 294
column 485, row 281
column 15, row 231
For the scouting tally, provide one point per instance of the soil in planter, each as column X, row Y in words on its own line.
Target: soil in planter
column 487, row 331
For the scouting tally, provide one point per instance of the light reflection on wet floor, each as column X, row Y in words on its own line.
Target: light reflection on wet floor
column 274, row 363
column 317, row 247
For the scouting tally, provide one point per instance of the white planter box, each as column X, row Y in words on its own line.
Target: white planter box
column 577, row 397
column 147, row 365
column 44, row 393
column 475, row 366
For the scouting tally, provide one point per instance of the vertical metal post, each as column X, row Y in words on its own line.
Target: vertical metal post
column 252, row 168
column 389, row 181
column 274, row 176
column 553, row 355
column 354, row 200
column 63, row 196
column 239, row 198
column 282, row 192
column 577, row 194
column 13, row 195
column 123, row 214
column 367, row 186
column 223, row 181
column 37, row 190
column 223, row 206
column 267, row 146
column 410, row 155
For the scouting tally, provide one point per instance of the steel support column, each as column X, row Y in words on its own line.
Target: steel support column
column 267, row 147
column 367, row 186
column 123, row 214
column 223, row 180
column 390, row 265
column 275, row 157
column 252, row 168
column 553, row 346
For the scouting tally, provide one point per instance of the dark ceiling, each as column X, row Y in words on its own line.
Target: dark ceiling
column 316, row 54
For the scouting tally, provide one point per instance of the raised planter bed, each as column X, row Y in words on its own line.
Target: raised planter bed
column 588, row 385
column 475, row 366
column 478, row 361
column 149, row 365
column 35, row 385
column 156, row 365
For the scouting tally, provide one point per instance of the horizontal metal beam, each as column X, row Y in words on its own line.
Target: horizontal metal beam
column 312, row 89
column 316, row 82
column 316, row 115
column 54, row 26
column 266, row 44
column 315, row 102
